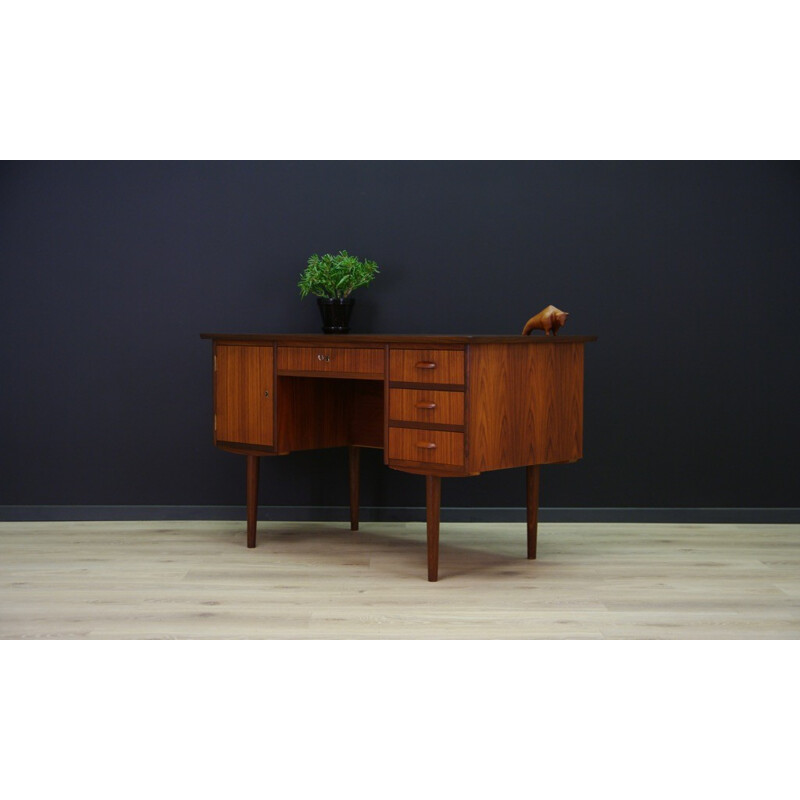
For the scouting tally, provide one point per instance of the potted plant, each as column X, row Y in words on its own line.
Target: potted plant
column 332, row 279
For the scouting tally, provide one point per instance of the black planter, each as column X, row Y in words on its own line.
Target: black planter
column 335, row 314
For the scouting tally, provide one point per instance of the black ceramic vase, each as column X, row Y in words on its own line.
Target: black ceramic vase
column 335, row 313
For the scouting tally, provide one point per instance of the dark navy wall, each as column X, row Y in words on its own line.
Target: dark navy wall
column 688, row 273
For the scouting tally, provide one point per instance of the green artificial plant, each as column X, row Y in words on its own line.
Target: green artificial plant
column 334, row 277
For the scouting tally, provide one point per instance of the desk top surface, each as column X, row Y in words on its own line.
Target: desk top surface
column 401, row 338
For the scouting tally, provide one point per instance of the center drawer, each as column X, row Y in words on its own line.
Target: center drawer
column 426, row 405
column 364, row 362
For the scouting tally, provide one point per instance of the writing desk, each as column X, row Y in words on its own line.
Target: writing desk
column 438, row 406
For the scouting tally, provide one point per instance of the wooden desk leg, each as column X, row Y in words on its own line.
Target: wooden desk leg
column 532, row 480
column 252, row 499
column 354, row 454
column 433, row 502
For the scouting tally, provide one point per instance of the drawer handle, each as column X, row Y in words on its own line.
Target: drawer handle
column 427, row 445
column 425, row 405
column 321, row 357
column 426, row 365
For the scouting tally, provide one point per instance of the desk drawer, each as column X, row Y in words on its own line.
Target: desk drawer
column 347, row 361
column 427, row 366
column 435, row 447
column 426, row 405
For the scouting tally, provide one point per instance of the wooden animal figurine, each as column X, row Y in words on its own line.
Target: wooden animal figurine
column 548, row 319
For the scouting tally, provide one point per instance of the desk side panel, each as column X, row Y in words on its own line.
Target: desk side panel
column 526, row 405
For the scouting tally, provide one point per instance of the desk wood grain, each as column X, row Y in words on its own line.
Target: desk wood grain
column 440, row 406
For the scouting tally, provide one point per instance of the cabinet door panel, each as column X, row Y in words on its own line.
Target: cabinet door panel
column 243, row 401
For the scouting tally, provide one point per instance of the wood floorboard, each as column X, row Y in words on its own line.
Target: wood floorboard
column 312, row 580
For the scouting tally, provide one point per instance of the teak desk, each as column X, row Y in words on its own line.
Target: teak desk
column 438, row 406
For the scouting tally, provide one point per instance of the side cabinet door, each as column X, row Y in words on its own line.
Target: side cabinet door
column 243, row 394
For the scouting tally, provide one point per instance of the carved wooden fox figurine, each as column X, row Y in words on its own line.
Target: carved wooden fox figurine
column 548, row 319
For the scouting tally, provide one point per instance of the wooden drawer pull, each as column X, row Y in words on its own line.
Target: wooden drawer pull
column 424, row 405
column 322, row 357
column 427, row 445
column 425, row 365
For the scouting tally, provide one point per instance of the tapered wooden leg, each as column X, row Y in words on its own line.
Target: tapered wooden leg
column 252, row 499
column 354, row 454
column 433, row 502
column 532, row 480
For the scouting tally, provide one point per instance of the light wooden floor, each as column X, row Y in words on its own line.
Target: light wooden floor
column 196, row 580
